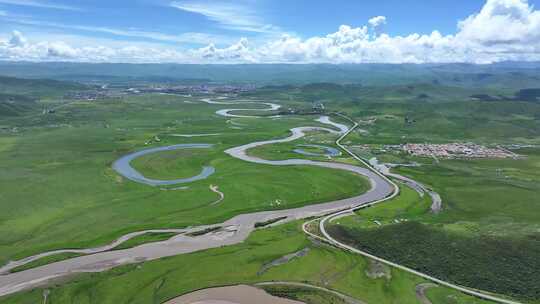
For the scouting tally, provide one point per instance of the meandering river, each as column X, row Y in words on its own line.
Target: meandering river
column 123, row 166
column 232, row 231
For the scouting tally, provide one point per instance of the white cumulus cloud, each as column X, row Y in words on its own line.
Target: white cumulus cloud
column 61, row 50
column 377, row 21
column 237, row 52
column 502, row 22
column 501, row 30
column 17, row 39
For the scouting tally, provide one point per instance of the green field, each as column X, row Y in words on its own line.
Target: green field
column 157, row 281
column 407, row 205
column 285, row 150
column 58, row 190
column 440, row 113
column 485, row 202
column 174, row 164
column 488, row 230
column 57, row 170
column 481, row 122
column 500, row 265
column 486, row 197
column 23, row 97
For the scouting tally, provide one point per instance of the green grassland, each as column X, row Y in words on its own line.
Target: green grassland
column 481, row 122
column 37, row 87
column 440, row 113
column 57, row 170
column 485, row 202
column 500, row 265
column 20, row 97
column 160, row 280
column 285, row 150
column 442, row 296
column 174, row 164
column 15, row 105
column 485, row 238
column 493, row 197
column 407, row 205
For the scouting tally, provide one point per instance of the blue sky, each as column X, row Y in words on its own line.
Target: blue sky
column 304, row 18
column 186, row 25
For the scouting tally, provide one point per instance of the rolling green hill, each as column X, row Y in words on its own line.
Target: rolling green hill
column 37, row 87
column 20, row 96
column 15, row 105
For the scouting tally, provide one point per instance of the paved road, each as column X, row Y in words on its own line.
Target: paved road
column 233, row 231
column 326, row 237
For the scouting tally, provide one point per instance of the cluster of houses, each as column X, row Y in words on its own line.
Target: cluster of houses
column 457, row 150
column 197, row 89
column 108, row 92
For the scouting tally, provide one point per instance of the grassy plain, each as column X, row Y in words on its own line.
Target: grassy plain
column 406, row 206
column 443, row 296
column 442, row 122
column 157, row 281
column 483, row 200
column 487, row 231
column 486, row 197
column 499, row 265
column 56, row 169
column 167, row 165
column 440, row 113
column 285, row 150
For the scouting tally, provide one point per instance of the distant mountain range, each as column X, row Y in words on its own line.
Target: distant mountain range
column 514, row 75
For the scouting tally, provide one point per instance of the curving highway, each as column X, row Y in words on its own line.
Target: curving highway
column 326, row 237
